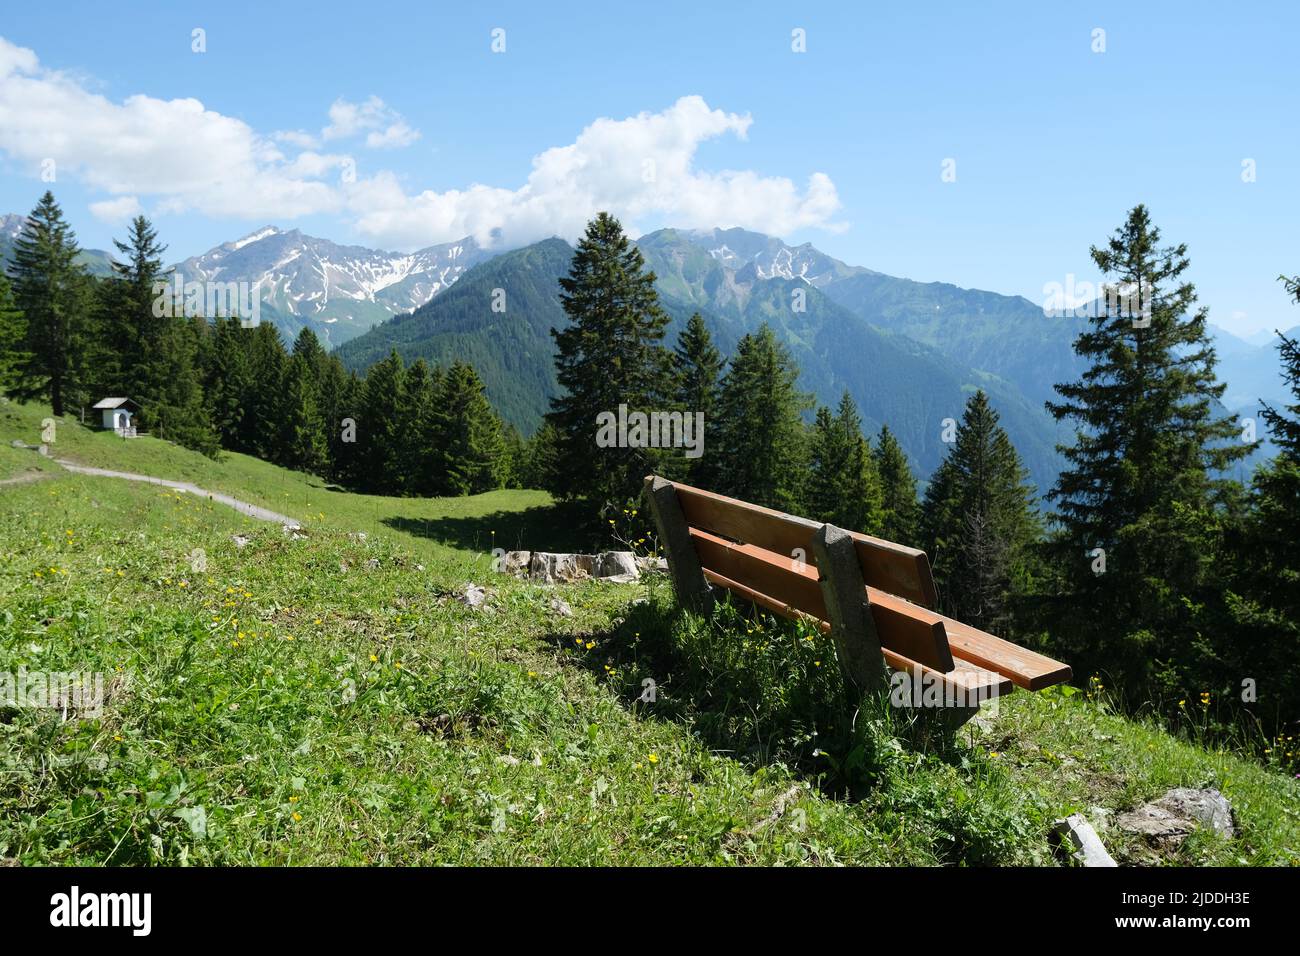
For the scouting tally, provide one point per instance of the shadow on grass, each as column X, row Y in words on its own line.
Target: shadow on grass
column 556, row 527
column 761, row 690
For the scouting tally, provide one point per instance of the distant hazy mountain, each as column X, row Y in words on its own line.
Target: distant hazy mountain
column 1252, row 369
column 338, row 291
column 909, row 385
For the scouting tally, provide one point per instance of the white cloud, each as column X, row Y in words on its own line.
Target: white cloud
column 115, row 211
column 640, row 168
column 182, row 157
column 384, row 126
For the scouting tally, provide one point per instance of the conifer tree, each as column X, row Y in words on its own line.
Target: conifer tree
column 379, row 446
column 302, row 443
column 761, row 447
column 900, row 509
column 179, row 410
column 610, row 354
column 470, row 443
column 978, row 522
column 263, row 402
column 1264, row 564
column 697, row 365
column 1135, row 501
column 140, row 364
column 843, row 483
column 229, row 380
column 13, row 336
column 419, row 458
column 52, row 291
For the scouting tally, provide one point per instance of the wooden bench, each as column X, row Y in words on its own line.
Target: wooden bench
column 874, row 597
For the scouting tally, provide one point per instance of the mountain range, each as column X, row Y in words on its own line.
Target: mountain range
column 909, row 352
column 337, row 291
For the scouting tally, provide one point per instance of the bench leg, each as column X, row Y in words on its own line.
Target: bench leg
column 845, row 591
column 684, row 568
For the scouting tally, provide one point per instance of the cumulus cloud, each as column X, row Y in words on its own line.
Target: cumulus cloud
column 183, row 157
column 115, row 211
column 384, row 126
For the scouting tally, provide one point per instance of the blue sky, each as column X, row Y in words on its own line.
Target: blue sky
column 841, row 145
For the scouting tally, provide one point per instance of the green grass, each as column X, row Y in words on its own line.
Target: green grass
column 326, row 700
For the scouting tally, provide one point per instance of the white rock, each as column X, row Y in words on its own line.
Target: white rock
column 613, row 564
column 473, row 596
column 1078, row 836
column 240, row 540
column 516, row 562
column 1179, row 812
column 561, row 607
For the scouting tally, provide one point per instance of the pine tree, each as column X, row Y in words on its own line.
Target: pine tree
column 419, row 458
column 264, row 412
column 978, row 522
column 179, row 410
column 379, row 437
column 470, row 442
column 137, row 333
column 1135, row 504
column 540, row 453
column 900, row 510
column 843, row 484
column 697, row 365
column 13, row 335
column 229, row 381
column 52, row 291
column 609, row 355
column 302, row 443
column 1264, row 602
column 761, row 447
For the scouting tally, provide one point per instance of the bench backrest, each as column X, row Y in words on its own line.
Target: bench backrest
column 889, row 567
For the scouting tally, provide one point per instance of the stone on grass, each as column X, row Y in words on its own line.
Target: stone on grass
column 240, row 540
column 516, row 562
column 614, row 564
column 1076, row 835
column 1180, row 811
column 472, row 596
column 561, row 607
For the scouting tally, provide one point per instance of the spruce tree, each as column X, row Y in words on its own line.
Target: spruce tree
column 761, row 446
column 419, row 459
column 52, row 291
column 1135, row 503
column 900, row 510
column 540, row 453
column 470, row 443
column 229, row 381
column 379, row 445
column 139, row 338
column 978, row 521
column 697, row 365
column 610, row 354
column 179, row 410
column 843, row 483
column 263, row 403
column 302, row 443
column 1264, row 602
column 13, row 336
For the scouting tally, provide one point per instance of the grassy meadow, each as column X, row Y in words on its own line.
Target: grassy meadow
column 325, row 699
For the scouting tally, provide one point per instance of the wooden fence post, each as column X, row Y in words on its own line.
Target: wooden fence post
column 683, row 563
column 845, row 591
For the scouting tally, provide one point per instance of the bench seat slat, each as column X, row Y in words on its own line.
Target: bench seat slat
column 1027, row 668
column 1024, row 667
column 776, row 576
column 975, row 683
